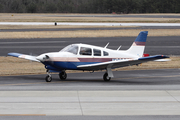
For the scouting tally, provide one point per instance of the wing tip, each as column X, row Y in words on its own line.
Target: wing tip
column 14, row 54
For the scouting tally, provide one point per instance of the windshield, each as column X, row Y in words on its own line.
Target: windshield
column 71, row 48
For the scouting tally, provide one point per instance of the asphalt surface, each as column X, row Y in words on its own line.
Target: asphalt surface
column 141, row 94
column 167, row 45
column 165, row 79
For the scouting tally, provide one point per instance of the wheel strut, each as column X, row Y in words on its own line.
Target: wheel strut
column 48, row 77
column 108, row 75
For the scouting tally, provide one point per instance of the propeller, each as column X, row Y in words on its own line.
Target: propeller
column 45, row 58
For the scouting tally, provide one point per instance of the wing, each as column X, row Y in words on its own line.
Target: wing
column 28, row 57
column 120, row 63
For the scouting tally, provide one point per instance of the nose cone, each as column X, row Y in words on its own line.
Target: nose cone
column 43, row 57
column 40, row 57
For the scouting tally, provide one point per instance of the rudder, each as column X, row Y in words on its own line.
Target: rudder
column 138, row 45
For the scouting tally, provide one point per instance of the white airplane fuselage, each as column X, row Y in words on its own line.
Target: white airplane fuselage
column 64, row 60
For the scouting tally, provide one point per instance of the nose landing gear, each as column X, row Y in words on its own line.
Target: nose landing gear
column 48, row 77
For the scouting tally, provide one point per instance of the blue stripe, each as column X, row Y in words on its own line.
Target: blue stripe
column 15, row 54
column 142, row 36
column 58, row 66
column 71, row 65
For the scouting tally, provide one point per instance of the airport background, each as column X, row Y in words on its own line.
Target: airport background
column 90, row 6
column 150, row 91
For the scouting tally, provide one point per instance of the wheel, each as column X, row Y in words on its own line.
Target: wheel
column 48, row 78
column 63, row 75
column 106, row 77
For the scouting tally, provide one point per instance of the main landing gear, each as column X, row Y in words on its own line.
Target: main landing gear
column 108, row 75
column 62, row 76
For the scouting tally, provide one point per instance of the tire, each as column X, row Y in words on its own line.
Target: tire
column 48, row 78
column 63, row 75
column 106, row 77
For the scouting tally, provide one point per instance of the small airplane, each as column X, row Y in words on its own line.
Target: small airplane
column 92, row 58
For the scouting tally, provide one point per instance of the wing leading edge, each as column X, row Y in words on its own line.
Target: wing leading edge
column 27, row 57
column 120, row 63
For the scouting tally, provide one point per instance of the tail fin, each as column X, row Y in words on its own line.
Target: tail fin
column 138, row 45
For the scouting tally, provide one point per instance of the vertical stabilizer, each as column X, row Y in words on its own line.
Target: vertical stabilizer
column 138, row 45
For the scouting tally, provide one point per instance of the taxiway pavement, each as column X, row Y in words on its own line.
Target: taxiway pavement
column 163, row 79
column 84, row 103
column 141, row 92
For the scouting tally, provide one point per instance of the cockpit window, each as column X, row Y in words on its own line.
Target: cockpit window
column 85, row 51
column 97, row 52
column 105, row 53
column 71, row 48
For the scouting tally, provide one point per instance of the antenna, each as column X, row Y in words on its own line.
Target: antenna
column 106, row 45
column 119, row 47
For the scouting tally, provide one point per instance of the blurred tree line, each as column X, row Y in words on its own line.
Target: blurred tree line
column 90, row 6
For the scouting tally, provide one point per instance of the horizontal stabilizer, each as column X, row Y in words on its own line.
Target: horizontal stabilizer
column 152, row 58
column 163, row 60
column 27, row 57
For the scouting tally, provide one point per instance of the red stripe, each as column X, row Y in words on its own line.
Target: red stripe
column 66, row 59
column 95, row 59
column 139, row 43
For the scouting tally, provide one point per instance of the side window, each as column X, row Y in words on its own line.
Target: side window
column 97, row 52
column 105, row 53
column 85, row 51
